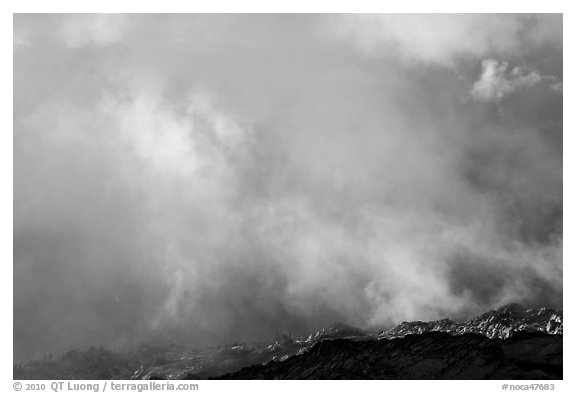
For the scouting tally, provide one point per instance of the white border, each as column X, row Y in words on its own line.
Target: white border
column 244, row 6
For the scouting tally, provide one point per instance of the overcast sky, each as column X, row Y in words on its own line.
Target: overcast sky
column 210, row 178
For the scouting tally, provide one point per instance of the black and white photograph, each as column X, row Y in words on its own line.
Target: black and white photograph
column 287, row 196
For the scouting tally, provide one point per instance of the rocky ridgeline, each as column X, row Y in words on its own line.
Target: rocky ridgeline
column 358, row 350
column 500, row 323
column 430, row 355
column 337, row 330
column 511, row 342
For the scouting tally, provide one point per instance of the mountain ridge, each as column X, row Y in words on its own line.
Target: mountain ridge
column 430, row 355
column 498, row 323
column 180, row 362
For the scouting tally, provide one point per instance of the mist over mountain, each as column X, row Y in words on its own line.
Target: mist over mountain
column 204, row 179
column 511, row 342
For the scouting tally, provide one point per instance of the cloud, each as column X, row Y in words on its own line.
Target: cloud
column 93, row 29
column 445, row 39
column 495, row 84
column 21, row 38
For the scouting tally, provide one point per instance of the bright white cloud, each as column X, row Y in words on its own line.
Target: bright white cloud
column 443, row 39
column 93, row 29
column 495, row 82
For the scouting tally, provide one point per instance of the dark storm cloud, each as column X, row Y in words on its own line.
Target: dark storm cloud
column 213, row 178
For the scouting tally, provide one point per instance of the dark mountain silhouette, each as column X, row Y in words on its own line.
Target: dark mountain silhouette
column 431, row 355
